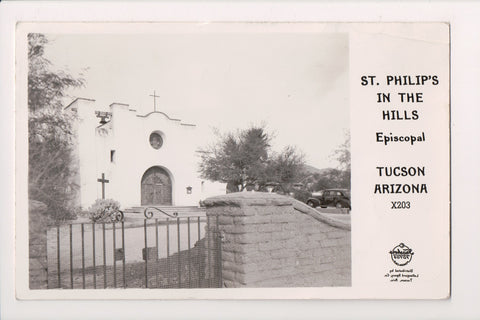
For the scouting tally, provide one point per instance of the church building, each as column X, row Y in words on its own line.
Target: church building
column 136, row 159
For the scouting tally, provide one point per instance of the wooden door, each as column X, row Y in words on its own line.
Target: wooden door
column 156, row 187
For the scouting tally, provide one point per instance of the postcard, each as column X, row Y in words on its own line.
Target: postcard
column 232, row 160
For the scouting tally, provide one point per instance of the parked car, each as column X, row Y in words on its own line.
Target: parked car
column 339, row 198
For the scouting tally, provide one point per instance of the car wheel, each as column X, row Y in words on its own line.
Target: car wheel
column 310, row 203
column 339, row 205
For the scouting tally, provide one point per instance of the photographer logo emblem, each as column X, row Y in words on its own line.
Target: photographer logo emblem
column 401, row 255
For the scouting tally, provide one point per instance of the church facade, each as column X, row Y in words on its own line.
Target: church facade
column 137, row 159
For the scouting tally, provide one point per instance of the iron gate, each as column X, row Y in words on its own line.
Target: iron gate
column 172, row 252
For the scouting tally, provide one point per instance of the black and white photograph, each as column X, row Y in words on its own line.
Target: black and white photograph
column 189, row 156
column 232, row 160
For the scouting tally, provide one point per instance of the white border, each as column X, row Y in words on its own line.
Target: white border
column 465, row 158
column 367, row 50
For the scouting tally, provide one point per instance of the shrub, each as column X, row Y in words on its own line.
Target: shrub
column 302, row 195
column 104, row 210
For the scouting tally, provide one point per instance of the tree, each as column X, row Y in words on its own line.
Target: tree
column 46, row 87
column 330, row 178
column 238, row 159
column 342, row 155
column 244, row 159
column 286, row 168
column 50, row 134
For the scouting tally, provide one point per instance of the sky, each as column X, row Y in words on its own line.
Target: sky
column 294, row 83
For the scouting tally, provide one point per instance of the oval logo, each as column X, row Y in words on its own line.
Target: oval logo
column 401, row 255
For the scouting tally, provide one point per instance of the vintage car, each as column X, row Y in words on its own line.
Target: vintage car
column 339, row 198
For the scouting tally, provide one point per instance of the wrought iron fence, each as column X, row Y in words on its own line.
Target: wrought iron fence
column 173, row 252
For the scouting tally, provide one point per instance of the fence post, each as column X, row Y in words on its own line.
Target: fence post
column 189, row 259
column 71, row 256
column 83, row 256
column 93, row 258
column 124, row 254
column 114, row 235
column 146, row 252
column 104, row 257
column 179, row 263
column 59, row 284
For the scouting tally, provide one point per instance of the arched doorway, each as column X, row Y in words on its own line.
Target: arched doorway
column 156, row 187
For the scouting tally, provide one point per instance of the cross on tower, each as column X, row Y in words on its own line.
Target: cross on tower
column 154, row 100
column 103, row 181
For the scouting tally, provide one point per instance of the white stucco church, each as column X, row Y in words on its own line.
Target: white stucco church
column 136, row 159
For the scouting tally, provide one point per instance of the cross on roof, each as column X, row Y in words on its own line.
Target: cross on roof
column 154, row 100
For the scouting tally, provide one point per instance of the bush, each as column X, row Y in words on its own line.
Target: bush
column 104, row 210
column 302, row 195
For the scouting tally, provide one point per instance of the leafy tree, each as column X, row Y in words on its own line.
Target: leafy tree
column 333, row 177
column 244, row 159
column 46, row 87
column 50, row 134
column 336, row 177
column 328, row 179
column 237, row 159
column 342, row 154
column 286, row 168
column 343, row 157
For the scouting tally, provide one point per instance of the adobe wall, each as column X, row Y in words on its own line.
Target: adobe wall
column 275, row 241
column 37, row 244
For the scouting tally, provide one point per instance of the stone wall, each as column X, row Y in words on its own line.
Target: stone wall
column 37, row 245
column 275, row 241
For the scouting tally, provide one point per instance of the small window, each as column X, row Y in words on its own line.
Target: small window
column 112, row 155
column 156, row 140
